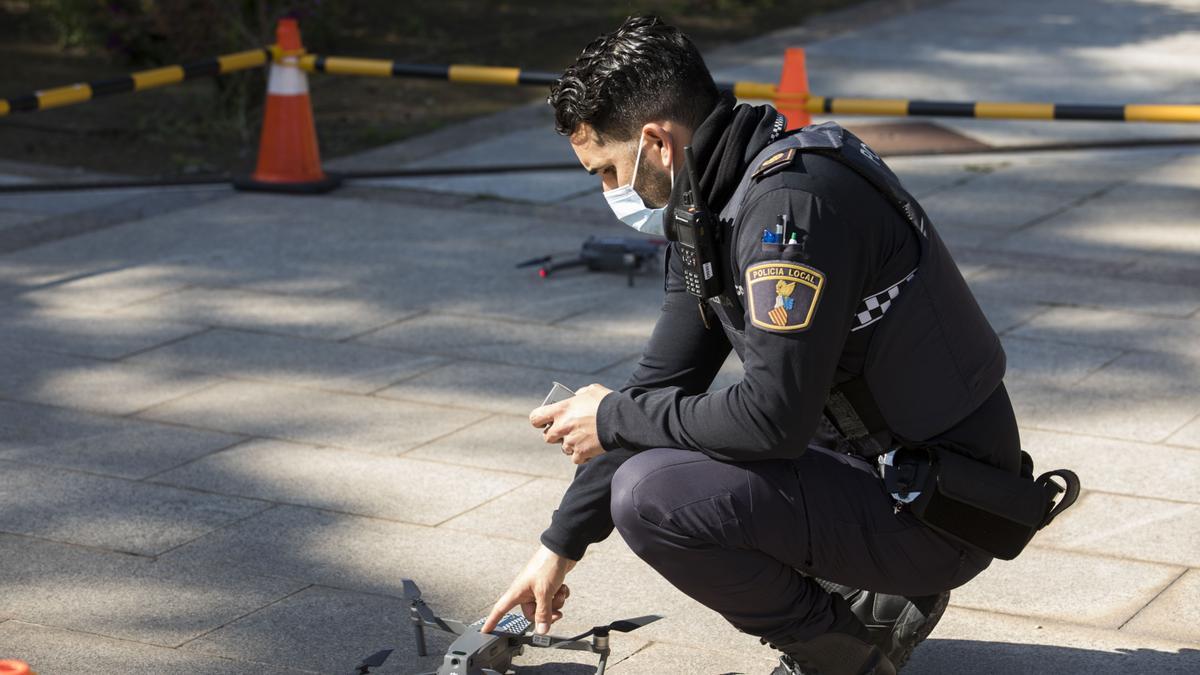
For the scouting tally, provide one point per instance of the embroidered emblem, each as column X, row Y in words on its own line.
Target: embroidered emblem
column 783, row 295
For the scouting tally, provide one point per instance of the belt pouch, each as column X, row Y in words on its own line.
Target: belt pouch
column 982, row 505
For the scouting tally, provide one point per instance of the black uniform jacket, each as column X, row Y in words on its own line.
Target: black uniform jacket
column 855, row 244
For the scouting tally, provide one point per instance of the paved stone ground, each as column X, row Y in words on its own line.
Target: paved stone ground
column 231, row 423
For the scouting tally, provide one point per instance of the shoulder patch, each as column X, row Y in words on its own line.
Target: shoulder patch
column 774, row 163
column 782, row 295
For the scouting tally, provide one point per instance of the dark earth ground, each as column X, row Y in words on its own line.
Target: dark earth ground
column 186, row 129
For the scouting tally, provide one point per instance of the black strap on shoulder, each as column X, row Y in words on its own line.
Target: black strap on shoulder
column 1071, row 491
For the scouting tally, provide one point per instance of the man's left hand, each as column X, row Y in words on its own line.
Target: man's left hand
column 573, row 423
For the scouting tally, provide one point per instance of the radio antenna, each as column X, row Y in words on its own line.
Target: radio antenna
column 689, row 165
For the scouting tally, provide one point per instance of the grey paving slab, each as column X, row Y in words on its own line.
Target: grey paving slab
column 979, row 205
column 311, row 416
column 1098, row 290
column 1188, row 436
column 342, row 480
column 10, row 217
column 1163, row 386
column 37, row 434
column 254, row 239
column 125, row 597
column 634, row 312
column 1006, row 313
column 501, row 442
column 494, row 387
column 290, row 360
column 110, row 513
column 460, row 576
column 520, row 515
column 1173, row 615
column 1076, row 174
column 1121, row 330
column 64, row 652
column 1052, row 362
column 483, row 283
column 298, row 315
column 1136, row 218
column 107, row 288
column 612, row 581
column 1064, row 586
column 662, row 657
column 63, row 202
column 996, row 643
column 505, row 342
column 923, row 177
column 325, row 630
column 87, row 334
column 100, row 386
column 1129, row 527
column 547, row 187
column 539, row 145
column 1120, row 467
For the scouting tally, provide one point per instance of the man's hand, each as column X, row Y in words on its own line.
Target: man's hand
column 573, row 423
column 538, row 589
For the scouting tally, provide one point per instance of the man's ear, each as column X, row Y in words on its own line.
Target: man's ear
column 658, row 139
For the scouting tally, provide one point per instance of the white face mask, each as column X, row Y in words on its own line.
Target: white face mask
column 628, row 206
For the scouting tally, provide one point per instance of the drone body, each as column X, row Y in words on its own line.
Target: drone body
column 475, row 653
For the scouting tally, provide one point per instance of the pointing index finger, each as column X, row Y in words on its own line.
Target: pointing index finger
column 501, row 608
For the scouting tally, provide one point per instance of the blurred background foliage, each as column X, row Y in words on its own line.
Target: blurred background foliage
column 211, row 125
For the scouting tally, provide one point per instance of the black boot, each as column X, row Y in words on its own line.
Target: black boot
column 845, row 650
column 897, row 624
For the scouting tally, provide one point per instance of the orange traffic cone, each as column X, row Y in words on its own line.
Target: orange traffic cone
column 793, row 87
column 14, row 667
column 288, row 159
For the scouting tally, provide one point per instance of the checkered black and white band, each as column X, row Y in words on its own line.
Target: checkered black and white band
column 873, row 307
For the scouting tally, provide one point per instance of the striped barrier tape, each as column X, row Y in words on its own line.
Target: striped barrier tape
column 463, row 74
column 469, row 74
column 138, row 81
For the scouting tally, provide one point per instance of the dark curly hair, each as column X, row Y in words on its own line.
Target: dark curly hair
column 643, row 71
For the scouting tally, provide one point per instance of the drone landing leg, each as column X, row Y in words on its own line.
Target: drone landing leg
column 419, row 634
column 603, row 662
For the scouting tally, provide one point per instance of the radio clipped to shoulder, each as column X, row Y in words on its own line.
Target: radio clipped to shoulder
column 693, row 226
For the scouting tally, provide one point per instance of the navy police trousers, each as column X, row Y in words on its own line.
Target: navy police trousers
column 746, row 539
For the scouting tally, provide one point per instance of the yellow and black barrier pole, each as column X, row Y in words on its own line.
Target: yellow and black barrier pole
column 471, row 74
column 466, row 74
column 138, row 81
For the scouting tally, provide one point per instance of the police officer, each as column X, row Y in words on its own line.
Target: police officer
column 762, row 500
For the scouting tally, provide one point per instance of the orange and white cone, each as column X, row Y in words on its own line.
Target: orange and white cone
column 793, row 89
column 288, row 158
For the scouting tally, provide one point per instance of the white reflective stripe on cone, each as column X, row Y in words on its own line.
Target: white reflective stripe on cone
column 287, row 81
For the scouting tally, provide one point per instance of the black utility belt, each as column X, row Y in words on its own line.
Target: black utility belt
column 972, row 501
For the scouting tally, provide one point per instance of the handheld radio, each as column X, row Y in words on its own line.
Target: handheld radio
column 693, row 226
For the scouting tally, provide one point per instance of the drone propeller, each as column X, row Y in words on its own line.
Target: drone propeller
column 621, row 626
column 373, row 661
